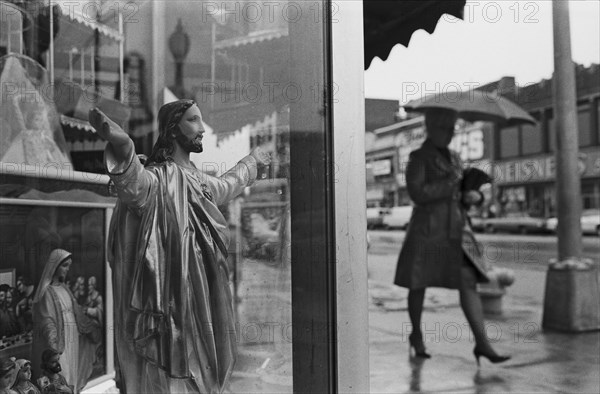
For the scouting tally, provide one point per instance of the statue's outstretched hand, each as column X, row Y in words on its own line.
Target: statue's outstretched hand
column 107, row 129
column 262, row 157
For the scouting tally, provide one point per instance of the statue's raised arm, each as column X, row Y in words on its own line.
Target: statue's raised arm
column 111, row 132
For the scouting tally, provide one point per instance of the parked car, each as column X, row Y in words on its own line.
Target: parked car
column 477, row 223
column 590, row 222
column 375, row 217
column 520, row 222
column 397, row 217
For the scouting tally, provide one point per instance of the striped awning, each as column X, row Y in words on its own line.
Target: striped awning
column 77, row 11
column 390, row 22
column 249, row 39
column 76, row 123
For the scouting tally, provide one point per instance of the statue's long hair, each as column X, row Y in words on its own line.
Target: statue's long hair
column 169, row 116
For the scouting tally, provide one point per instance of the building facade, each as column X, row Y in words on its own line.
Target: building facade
column 524, row 155
column 388, row 151
column 520, row 158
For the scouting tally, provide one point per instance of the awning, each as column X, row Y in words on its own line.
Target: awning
column 77, row 130
column 391, row 22
column 81, row 12
column 77, row 123
column 251, row 38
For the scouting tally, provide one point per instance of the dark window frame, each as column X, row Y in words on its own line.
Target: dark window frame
column 312, row 179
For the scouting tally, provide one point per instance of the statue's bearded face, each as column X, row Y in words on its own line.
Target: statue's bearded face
column 191, row 129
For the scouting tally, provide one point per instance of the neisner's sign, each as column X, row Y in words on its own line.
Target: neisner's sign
column 542, row 168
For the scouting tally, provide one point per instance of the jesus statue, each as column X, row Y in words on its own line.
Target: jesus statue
column 173, row 317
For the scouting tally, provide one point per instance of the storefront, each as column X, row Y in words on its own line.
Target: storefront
column 299, row 256
column 528, row 185
column 387, row 156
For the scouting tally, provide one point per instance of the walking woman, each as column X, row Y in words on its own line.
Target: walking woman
column 439, row 249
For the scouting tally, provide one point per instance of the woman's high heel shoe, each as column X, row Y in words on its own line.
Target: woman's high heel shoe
column 493, row 358
column 416, row 342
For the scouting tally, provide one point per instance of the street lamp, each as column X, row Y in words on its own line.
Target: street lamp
column 179, row 45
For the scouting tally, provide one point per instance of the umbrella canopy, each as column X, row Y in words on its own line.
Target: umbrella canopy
column 474, row 105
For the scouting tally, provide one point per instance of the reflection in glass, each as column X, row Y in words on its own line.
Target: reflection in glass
column 238, row 71
column 31, row 133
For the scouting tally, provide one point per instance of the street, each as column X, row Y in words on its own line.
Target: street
column 530, row 252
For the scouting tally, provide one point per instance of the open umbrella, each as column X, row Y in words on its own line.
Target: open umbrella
column 474, row 105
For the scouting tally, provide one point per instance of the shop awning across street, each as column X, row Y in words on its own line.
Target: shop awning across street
column 390, row 22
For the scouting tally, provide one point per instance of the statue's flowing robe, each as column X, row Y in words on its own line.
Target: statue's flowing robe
column 174, row 322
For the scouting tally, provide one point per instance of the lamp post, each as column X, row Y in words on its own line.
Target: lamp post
column 179, row 45
column 572, row 291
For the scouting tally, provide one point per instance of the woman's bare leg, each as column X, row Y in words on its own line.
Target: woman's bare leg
column 471, row 306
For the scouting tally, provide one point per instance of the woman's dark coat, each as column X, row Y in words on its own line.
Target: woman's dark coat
column 438, row 235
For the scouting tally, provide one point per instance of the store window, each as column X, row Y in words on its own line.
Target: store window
column 597, row 121
column 509, row 142
column 552, row 134
column 531, row 139
column 584, row 125
column 590, row 194
column 262, row 86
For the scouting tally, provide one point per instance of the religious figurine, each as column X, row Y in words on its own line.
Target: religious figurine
column 174, row 322
column 51, row 381
column 8, row 375
column 61, row 325
column 78, row 290
column 23, row 383
column 36, row 141
column 94, row 305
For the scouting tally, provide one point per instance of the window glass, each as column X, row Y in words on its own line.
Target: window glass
column 552, row 134
column 509, row 142
column 257, row 72
column 598, row 121
column 584, row 126
column 531, row 139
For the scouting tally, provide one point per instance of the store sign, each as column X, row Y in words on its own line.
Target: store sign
column 381, row 167
column 469, row 144
column 543, row 168
column 407, row 141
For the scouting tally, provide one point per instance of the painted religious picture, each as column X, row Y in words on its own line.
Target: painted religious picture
column 52, row 290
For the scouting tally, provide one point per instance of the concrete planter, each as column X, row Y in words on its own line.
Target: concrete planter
column 572, row 296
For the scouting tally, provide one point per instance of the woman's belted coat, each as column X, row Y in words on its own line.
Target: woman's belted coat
column 439, row 237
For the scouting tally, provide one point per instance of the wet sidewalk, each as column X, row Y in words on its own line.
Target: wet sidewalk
column 542, row 361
